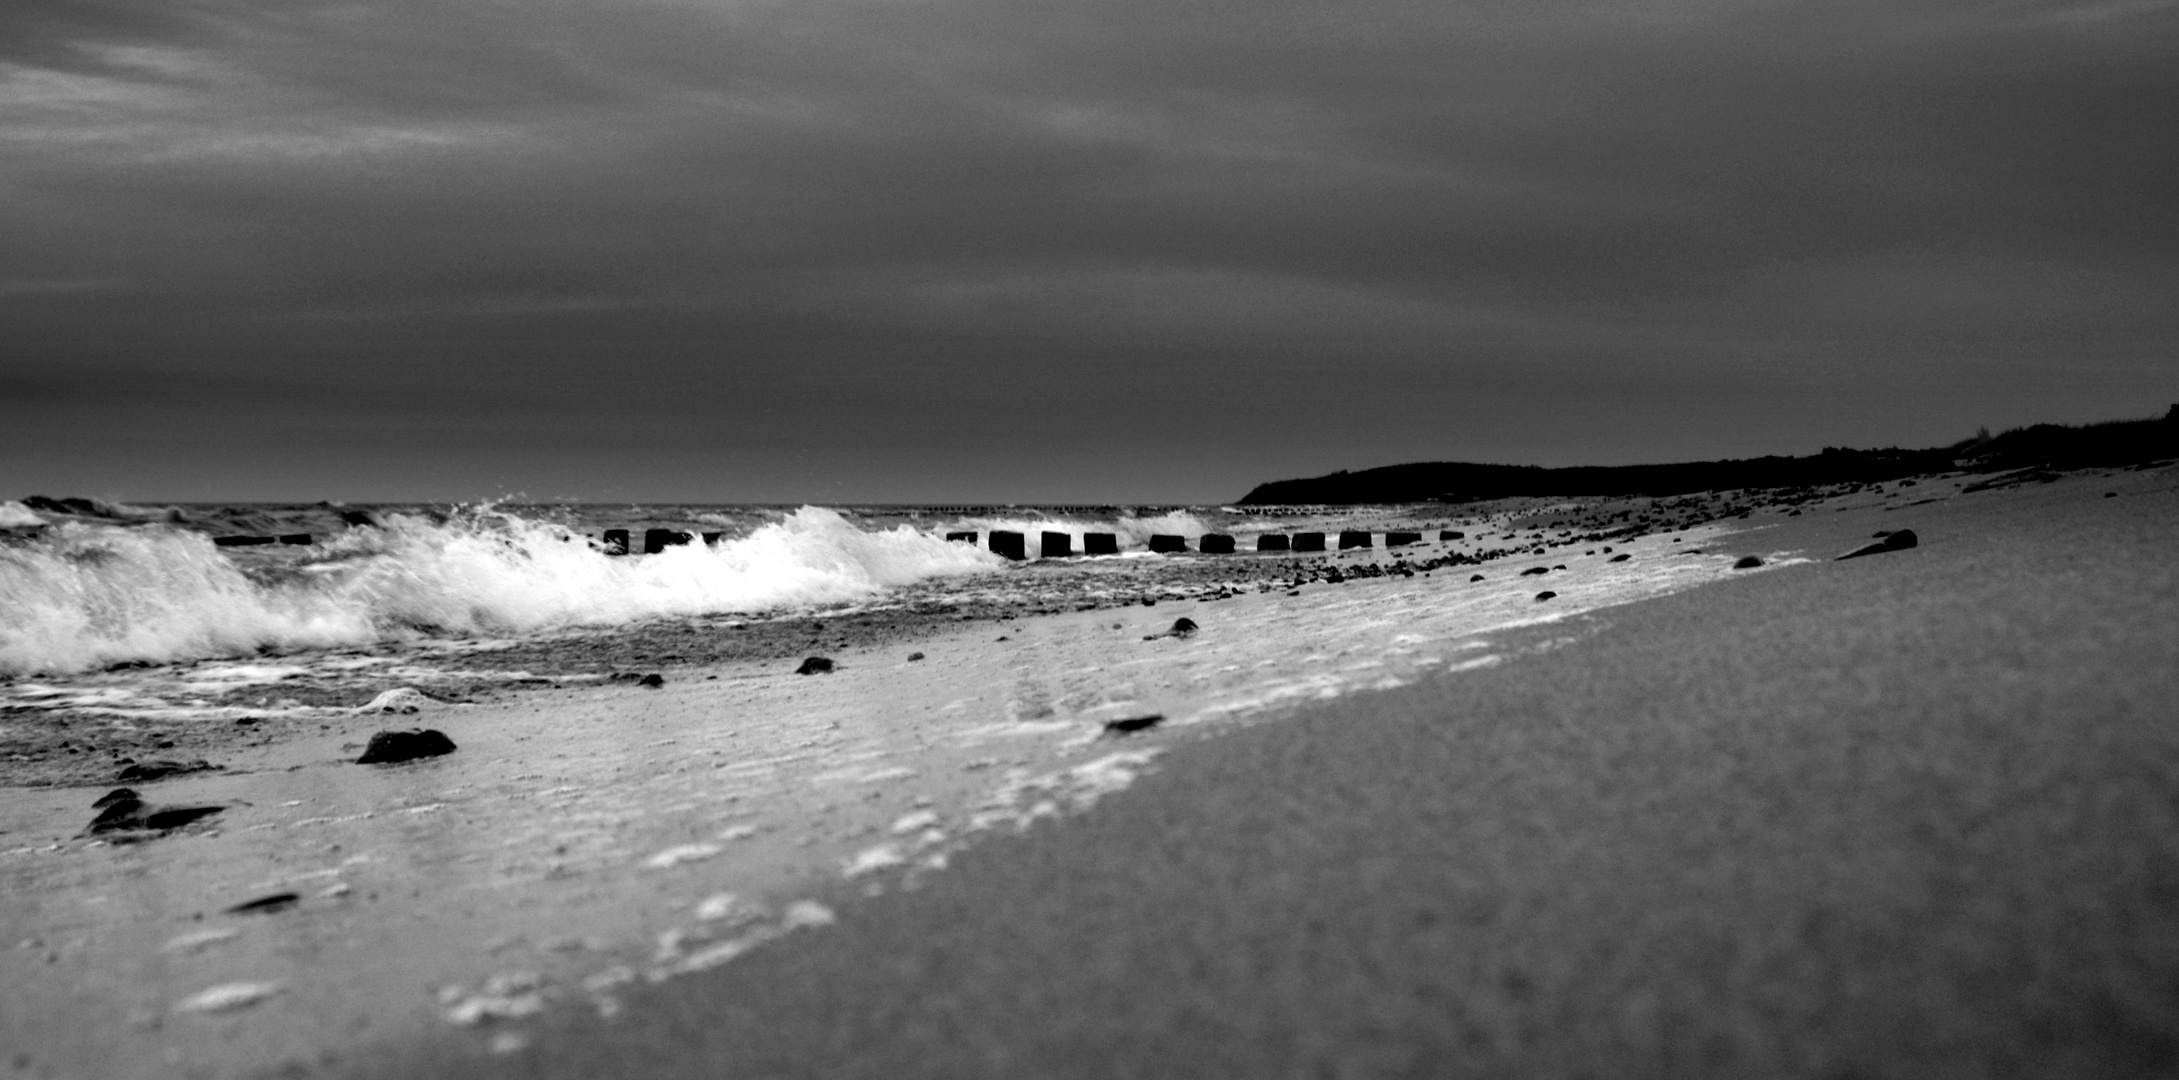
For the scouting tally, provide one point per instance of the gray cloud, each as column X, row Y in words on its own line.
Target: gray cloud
column 1264, row 239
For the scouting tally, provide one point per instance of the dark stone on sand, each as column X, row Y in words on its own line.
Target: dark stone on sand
column 1402, row 539
column 174, row 817
column 132, row 813
column 657, row 540
column 1273, row 542
column 962, row 537
column 1055, row 545
column 1451, row 534
column 1100, row 543
column 1215, row 544
column 1895, row 541
column 1134, row 724
column 393, row 747
column 1621, row 557
column 815, row 665
column 1475, row 577
column 1308, row 541
column 653, row 680
column 1545, row 595
column 1534, row 570
column 1012, row 545
column 266, row 905
column 114, row 796
column 1353, row 538
column 1747, row 562
column 119, row 814
column 295, row 539
column 616, row 541
column 914, row 656
column 1184, row 627
column 242, row 541
column 144, row 771
column 1166, row 544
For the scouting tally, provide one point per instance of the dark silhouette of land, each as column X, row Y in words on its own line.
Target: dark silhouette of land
column 2047, row 446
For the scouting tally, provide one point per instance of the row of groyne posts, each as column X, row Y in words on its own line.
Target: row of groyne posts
column 1059, row 545
column 1012, row 545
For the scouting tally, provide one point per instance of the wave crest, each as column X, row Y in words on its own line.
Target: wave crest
column 85, row 595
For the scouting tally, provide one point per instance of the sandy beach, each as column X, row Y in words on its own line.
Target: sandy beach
column 1906, row 815
column 1814, row 818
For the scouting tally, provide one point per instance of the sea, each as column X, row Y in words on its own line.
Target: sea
column 163, row 611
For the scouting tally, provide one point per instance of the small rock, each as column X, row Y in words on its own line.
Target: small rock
column 1475, row 577
column 653, row 680
column 114, row 796
column 1183, row 627
column 392, row 747
column 1545, row 595
column 914, row 656
column 1747, row 562
column 145, row 771
column 266, row 905
column 1621, row 557
column 1134, row 723
column 817, row 665
column 1893, row 541
column 131, row 813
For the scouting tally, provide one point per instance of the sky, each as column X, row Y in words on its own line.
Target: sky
column 850, row 251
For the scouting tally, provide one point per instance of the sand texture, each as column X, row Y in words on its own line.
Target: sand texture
column 1909, row 815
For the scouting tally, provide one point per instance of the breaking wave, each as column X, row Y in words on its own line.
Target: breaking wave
column 80, row 596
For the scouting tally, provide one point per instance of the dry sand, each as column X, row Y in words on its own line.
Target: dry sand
column 1909, row 815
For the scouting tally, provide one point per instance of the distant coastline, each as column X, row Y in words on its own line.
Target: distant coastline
column 2115, row 443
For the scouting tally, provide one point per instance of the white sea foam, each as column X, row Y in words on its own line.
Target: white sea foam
column 88, row 595
column 15, row 515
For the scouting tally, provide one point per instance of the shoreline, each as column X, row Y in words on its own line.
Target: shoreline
column 1905, row 815
column 879, row 803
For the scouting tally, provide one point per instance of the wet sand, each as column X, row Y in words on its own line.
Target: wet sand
column 1906, row 815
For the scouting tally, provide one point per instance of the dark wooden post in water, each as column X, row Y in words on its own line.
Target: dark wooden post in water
column 1100, row 544
column 1451, row 534
column 1353, row 538
column 1272, row 542
column 1009, row 544
column 1215, row 544
column 1056, row 545
column 298, row 539
column 1308, row 542
column 657, row 540
column 1164, row 543
column 1401, row 539
column 962, row 537
column 616, row 541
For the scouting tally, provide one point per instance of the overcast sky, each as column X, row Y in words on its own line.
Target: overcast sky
column 1073, row 250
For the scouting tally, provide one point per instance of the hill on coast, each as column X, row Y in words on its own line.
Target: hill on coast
column 2122, row 442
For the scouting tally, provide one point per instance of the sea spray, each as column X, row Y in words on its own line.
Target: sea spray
column 83, row 596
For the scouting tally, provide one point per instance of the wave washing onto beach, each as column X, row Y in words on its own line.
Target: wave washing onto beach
column 82, row 595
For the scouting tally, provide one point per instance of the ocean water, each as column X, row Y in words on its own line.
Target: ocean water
column 93, row 587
